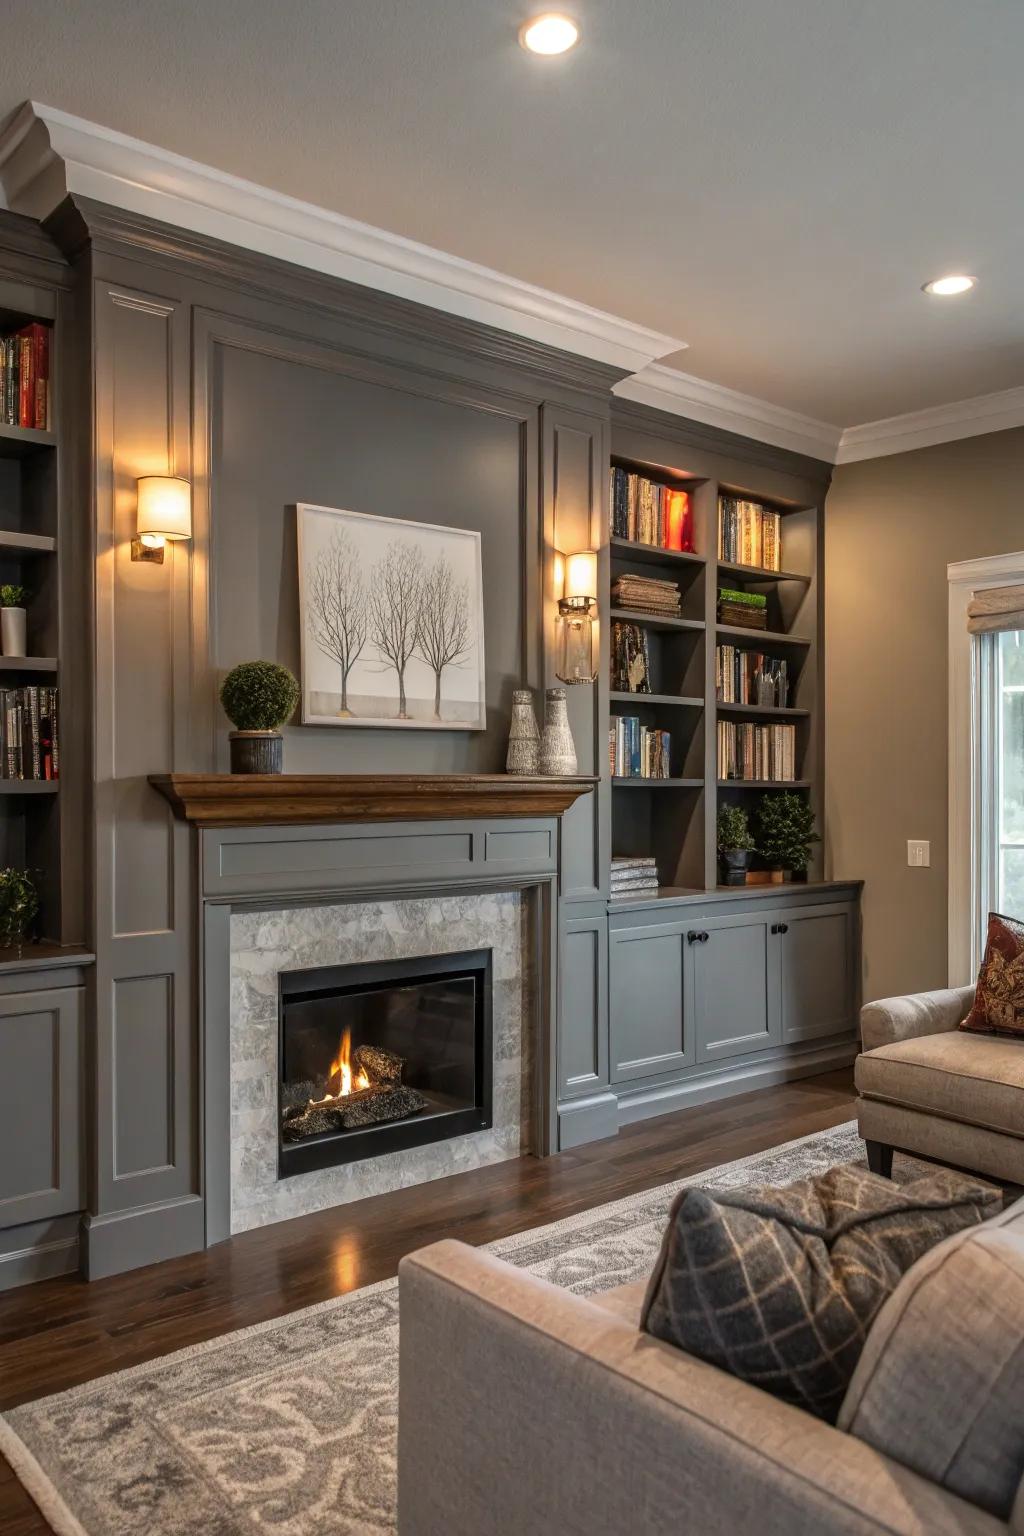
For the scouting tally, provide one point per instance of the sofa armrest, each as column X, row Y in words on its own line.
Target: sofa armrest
column 527, row 1411
column 904, row 1018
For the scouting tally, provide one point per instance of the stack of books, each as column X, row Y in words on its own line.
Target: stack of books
column 638, row 751
column 749, row 534
column 748, row 752
column 634, row 877
column 646, row 594
column 25, row 377
column 748, row 677
column 747, row 609
column 29, row 745
column 648, row 513
column 631, row 661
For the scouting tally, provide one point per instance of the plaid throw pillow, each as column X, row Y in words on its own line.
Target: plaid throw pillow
column 999, row 998
column 780, row 1286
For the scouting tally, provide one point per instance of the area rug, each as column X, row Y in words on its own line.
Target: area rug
column 290, row 1427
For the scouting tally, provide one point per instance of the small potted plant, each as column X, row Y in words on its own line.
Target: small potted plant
column 735, row 843
column 19, row 903
column 12, row 619
column 785, row 834
column 258, row 697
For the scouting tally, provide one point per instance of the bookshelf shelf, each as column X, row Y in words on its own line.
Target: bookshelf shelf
column 29, row 786
column 766, row 711
column 758, row 573
column 655, row 622
column 758, row 638
column 670, row 700
column 16, row 442
column 652, row 553
column 636, row 782
column 27, row 543
column 764, row 784
column 28, row 663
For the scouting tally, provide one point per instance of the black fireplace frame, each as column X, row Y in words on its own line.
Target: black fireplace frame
column 336, row 1148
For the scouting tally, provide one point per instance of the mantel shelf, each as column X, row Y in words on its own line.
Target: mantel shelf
column 237, row 800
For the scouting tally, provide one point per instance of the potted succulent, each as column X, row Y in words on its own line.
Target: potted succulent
column 12, row 619
column 735, row 843
column 258, row 697
column 785, row 834
column 19, row 903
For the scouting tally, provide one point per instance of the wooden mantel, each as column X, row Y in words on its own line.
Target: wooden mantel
column 284, row 799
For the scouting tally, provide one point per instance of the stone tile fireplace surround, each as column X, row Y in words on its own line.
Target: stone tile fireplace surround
column 292, row 876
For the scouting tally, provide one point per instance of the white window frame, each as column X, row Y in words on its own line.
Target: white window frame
column 972, row 768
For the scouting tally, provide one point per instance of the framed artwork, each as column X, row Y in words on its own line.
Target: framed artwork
column 392, row 622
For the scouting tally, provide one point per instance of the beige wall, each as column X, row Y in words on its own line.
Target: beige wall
column 891, row 527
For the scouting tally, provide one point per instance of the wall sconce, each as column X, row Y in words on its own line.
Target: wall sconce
column 576, row 576
column 164, row 512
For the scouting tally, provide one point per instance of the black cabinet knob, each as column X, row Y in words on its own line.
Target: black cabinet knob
column 692, row 936
column 703, row 937
column 780, row 927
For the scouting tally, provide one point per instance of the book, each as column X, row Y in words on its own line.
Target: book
column 29, row 734
column 25, row 377
column 749, row 533
column 638, row 751
column 647, row 594
column 748, row 751
column 750, row 677
column 631, row 662
column 646, row 512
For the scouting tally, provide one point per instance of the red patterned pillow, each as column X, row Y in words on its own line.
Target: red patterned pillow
column 999, row 999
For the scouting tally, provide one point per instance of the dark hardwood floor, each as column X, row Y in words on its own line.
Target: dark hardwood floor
column 62, row 1332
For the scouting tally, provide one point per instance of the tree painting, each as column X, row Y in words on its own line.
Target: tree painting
column 442, row 624
column 394, row 610
column 338, row 608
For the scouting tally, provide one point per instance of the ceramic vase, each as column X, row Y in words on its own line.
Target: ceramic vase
column 524, row 735
column 557, row 751
column 12, row 631
column 256, row 751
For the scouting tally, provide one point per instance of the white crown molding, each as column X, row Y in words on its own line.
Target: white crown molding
column 46, row 154
column 941, row 424
column 669, row 390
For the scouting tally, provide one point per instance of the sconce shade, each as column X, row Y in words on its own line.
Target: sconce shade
column 165, row 508
column 581, row 575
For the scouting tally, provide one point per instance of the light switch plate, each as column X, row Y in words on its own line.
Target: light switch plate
column 919, row 853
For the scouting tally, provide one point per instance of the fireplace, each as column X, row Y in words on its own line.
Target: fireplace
column 381, row 1057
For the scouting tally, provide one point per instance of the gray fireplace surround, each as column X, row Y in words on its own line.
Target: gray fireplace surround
column 288, row 897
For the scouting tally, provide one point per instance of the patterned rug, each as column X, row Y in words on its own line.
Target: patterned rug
column 289, row 1427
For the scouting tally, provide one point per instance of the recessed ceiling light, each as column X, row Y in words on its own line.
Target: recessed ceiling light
column 551, row 33
column 946, row 287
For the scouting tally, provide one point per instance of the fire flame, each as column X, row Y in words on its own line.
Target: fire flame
column 341, row 1067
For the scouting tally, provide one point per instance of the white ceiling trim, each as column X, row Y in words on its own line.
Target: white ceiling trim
column 46, row 154
column 669, row 390
column 941, row 424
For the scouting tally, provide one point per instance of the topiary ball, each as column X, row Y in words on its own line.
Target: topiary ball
column 259, row 696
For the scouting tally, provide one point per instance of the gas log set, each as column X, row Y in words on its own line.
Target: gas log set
column 362, row 1088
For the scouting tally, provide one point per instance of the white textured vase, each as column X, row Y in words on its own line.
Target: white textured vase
column 523, row 736
column 12, row 631
column 557, row 749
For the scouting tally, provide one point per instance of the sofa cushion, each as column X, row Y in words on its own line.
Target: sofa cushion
column 962, row 1077
column 999, row 997
column 780, row 1286
column 940, row 1384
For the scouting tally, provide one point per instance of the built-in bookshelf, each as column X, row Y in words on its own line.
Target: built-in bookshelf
column 774, row 702
column 30, row 757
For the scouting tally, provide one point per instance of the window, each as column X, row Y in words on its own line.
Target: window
column 986, row 753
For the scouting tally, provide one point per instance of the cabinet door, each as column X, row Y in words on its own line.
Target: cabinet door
column 649, row 1031
column 40, row 1098
column 818, row 991
column 735, row 981
column 583, row 1026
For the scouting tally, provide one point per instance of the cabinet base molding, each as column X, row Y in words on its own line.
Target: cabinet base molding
column 646, row 1103
column 39, row 1250
column 593, row 1119
column 126, row 1240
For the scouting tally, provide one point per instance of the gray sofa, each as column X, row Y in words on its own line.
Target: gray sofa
column 527, row 1411
column 924, row 1086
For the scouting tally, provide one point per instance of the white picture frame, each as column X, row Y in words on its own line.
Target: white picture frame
column 391, row 618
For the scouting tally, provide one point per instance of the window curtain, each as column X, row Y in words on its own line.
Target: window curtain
column 995, row 609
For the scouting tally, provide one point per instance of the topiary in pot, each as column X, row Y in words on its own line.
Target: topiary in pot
column 258, row 697
column 13, row 623
column 785, row 833
column 19, row 903
column 735, row 843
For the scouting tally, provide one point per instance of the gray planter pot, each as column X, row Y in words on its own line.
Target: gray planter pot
column 13, row 631
column 735, row 864
column 256, row 751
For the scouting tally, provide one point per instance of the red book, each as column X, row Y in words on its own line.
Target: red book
column 41, row 354
column 679, row 523
column 26, row 381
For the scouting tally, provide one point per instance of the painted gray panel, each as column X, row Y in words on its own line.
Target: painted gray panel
column 144, row 1069
column 525, row 850
column 370, row 851
column 583, row 1019
column 735, row 986
column 817, row 972
column 648, row 1030
column 40, row 1096
column 366, row 445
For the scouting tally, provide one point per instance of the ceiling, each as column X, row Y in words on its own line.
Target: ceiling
column 770, row 179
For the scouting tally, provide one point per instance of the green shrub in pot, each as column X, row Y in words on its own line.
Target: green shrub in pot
column 258, row 697
column 19, row 903
column 785, row 832
column 735, row 843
